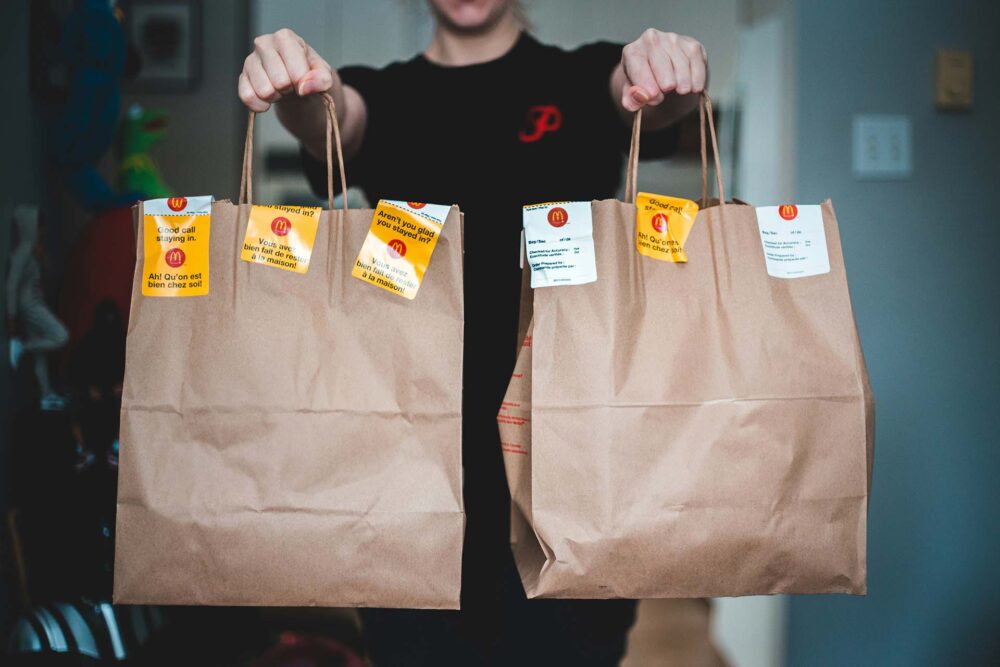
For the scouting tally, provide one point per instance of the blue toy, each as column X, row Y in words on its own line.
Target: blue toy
column 93, row 48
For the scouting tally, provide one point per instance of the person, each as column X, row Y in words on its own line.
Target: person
column 491, row 119
column 42, row 331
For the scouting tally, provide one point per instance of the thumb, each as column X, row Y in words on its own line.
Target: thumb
column 315, row 81
column 634, row 97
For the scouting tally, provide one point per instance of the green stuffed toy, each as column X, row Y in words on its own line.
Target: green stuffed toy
column 141, row 130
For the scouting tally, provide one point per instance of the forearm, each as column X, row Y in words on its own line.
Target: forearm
column 673, row 107
column 305, row 119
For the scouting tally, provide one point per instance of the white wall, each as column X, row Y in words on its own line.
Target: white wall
column 766, row 85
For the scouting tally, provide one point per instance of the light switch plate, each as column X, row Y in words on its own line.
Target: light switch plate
column 882, row 147
column 953, row 80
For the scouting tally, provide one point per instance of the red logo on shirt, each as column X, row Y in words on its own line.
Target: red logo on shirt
column 396, row 248
column 540, row 119
column 280, row 226
column 558, row 216
column 788, row 211
column 659, row 222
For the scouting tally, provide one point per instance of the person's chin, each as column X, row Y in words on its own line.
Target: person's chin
column 470, row 21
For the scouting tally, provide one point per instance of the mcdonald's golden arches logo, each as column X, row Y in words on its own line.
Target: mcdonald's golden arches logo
column 174, row 257
column 558, row 216
column 281, row 226
column 659, row 222
column 416, row 204
column 396, row 248
column 177, row 203
column 788, row 211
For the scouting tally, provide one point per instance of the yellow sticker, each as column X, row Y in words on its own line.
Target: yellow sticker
column 175, row 236
column 662, row 225
column 281, row 236
column 399, row 244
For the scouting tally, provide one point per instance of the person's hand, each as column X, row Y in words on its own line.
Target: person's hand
column 283, row 67
column 282, row 64
column 659, row 63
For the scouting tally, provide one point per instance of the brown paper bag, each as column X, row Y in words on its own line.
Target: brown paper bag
column 690, row 430
column 294, row 439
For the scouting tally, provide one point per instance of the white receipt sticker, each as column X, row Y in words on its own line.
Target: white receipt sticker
column 559, row 243
column 794, row 240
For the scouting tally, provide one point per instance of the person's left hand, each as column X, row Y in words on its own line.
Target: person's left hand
column 659, row 63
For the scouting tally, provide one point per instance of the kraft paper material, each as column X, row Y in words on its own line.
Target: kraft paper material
column 690, row 430
column 294, row 439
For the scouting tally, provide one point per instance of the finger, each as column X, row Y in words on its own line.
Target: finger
column 259, row 80
column 639, row 74
column 318, row 79
column 662, row 67
column 315, row 60
column 682, row 70
column 699, row 69
column 633, row 97
column 276, row 71
column 293, row 55
column 315, row 81
column 249, row 97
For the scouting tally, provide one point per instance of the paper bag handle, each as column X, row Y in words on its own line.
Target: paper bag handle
column 705, row 110
column 332, row 139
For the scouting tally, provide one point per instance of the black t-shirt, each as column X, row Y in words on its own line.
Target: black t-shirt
column 537, row 124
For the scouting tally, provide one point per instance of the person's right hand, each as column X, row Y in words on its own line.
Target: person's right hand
column 282, row 64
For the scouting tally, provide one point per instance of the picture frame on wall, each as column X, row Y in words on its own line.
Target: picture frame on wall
column 166, row 36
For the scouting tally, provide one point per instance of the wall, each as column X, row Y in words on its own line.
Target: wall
column 921, row 256
column 202, row 149
column 18, row 176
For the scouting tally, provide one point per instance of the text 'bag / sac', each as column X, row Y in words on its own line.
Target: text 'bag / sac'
column 293, row 437
column 692, row 429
